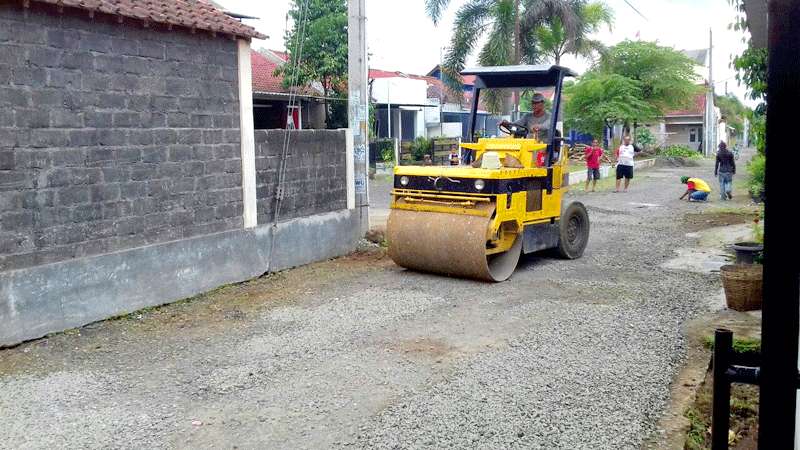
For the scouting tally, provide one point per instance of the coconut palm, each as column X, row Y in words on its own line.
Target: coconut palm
column 553, row 41
column 509, row 26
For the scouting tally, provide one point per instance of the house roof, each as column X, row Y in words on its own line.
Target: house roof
column 698, row 56
column 193, row 14
column 469, row 80
column 264, row 63
column 697, row 108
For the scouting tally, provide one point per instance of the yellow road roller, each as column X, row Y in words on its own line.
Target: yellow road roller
column 474, row 220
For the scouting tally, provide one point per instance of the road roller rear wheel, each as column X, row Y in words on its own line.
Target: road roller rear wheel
column 573, row 231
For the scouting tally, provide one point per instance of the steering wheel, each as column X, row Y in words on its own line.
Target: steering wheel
column 514, row 129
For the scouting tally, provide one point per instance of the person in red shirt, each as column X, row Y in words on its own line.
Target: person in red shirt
column 593, row 155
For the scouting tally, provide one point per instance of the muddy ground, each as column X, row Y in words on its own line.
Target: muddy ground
column 358, row 352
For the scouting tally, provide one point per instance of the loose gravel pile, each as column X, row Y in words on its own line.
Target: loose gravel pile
column 566, row 355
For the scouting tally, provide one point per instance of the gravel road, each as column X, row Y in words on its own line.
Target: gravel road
column 360, row 353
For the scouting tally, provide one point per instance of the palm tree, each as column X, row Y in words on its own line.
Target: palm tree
column 553, row 41
column 510, row 25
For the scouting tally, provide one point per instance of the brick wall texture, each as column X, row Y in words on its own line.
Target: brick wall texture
column 316, row 173
column 113, row 136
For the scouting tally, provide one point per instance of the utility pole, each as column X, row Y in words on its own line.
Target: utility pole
column 358, row 111
column 710, row 125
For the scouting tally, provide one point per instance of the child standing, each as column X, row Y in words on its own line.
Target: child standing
column 593, row 155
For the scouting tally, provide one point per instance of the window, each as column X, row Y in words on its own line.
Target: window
column 692, row 135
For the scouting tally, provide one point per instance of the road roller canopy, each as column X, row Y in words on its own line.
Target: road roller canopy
column 525, row 76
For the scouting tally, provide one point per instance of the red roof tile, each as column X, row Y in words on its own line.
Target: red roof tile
column 697, row 109
column 197, row 14
column 264, row 79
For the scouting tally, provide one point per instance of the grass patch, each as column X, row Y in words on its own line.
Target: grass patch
column 744, row 405
column 740, row 345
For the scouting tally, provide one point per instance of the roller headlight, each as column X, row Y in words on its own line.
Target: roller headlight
column 480, row 184
column 404, row 180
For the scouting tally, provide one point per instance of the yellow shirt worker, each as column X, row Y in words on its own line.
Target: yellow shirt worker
column 696, row 189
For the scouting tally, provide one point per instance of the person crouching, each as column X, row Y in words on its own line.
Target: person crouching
column 696, row 189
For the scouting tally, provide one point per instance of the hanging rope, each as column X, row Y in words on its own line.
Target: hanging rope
column 294, row 75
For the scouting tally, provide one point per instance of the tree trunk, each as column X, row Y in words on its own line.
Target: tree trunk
column 326, row 106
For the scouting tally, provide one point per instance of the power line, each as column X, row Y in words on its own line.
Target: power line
column 634, row 8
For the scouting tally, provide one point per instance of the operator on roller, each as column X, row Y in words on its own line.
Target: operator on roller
column 536, row 121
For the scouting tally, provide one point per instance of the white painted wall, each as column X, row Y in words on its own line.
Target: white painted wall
column 400, row 91
column 450, row 130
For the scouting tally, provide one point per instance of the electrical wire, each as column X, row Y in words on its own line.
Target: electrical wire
column 634, row 8
column 294, row 75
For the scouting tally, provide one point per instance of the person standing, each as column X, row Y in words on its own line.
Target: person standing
column 624, row 156
column 593, row 155
column 725, row 169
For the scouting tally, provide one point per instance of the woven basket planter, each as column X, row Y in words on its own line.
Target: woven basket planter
column 743, row 286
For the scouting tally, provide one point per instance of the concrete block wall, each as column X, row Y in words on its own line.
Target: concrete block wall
column 112, row 136
column 122, row 181
column 316, row 172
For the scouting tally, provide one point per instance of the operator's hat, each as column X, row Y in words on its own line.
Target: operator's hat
column 537, row 97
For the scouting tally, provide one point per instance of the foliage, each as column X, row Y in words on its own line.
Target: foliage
column 553, row 41
column 421, row 147
column 386, row 149
column 666, row 76
column 758, row 131
column 733, row 111
column 751, row 65
column 601, row 99
column 751, row 69
column 679, row 151
column 756, row 170
column 634, row 83
column 644, row 137
column 317, row 47
column 507, row 30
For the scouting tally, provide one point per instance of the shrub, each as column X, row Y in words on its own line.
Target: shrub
column 644, row 137
column 387, row 153
column 756, row 169
column 421, row 147
column 679, row 151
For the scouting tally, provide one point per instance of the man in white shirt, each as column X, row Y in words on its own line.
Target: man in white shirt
column 624, row 155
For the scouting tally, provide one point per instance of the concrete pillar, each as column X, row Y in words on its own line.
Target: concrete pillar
column 248, row 146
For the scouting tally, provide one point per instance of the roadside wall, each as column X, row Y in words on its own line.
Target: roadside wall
column 316, row 179
column 122, row 175
column 112, row 136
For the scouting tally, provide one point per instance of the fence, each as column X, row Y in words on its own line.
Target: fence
column 439, row 151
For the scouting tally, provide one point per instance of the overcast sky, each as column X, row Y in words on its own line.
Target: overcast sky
column 400, row 36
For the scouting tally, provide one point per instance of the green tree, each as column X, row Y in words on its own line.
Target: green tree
column 509, row 28
column 605, row 99
column 554, row 43
column 733, row 111
column 633, row 83
column 666, row 75
column 317, row 47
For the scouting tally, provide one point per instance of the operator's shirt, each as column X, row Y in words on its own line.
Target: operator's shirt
column 625, row 155
column 532, row 122
column 696, row 184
